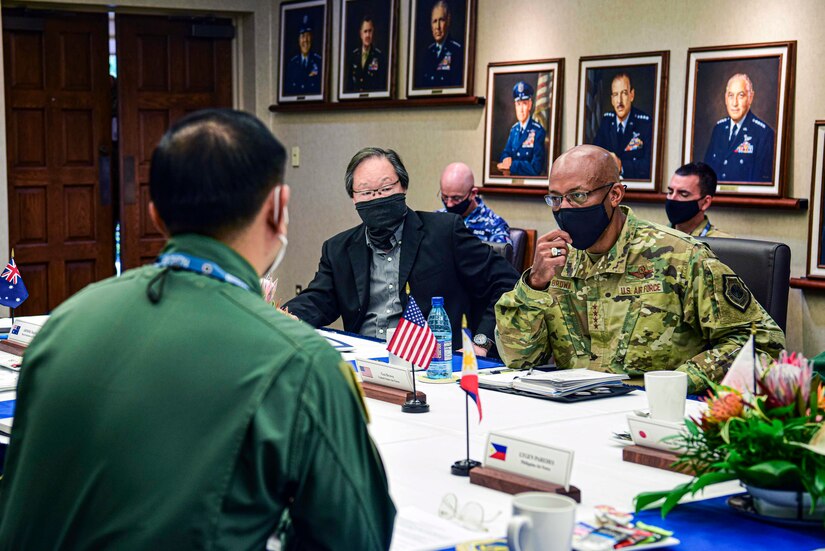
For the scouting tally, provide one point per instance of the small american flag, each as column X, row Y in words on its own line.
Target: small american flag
column 413, row 340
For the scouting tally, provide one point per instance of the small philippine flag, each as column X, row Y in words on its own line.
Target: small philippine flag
column 499, row 451
column 469, row 370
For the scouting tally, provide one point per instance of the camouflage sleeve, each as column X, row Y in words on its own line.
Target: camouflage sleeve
column 521, row 331
column 722, row 308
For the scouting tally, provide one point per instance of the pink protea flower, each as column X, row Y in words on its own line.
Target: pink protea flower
column 788, row 378
column 724, row 406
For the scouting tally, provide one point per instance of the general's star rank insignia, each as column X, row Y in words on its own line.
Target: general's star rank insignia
column 736, row 292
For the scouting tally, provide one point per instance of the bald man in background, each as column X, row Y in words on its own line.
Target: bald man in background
column 460, row 196
column 611, row 292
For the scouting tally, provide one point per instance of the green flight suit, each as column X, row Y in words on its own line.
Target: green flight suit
column 199, row 421
column 657, row 300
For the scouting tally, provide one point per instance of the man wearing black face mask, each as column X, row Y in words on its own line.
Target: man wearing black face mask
column 460, row 196
column 689, row 196
column 364, row 270
column 611, row 292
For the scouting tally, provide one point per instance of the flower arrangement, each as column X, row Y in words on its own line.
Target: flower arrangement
column 766, row 429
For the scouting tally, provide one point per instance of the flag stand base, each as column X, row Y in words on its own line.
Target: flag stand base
column 416, row 403
column 463, row 467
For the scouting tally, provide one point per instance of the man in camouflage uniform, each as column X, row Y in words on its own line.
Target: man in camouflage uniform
column 689, row 196
column 610, row 292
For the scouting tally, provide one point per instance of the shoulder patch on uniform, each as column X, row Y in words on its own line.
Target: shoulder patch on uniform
column 609, row 115
column 757, row 122
column 720, row 121
column 643, row 117
column 736, row 292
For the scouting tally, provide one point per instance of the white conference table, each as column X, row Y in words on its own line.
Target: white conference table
column 418, row 450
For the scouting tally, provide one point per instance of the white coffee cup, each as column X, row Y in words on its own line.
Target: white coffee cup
column 541, row 522
column 666, row 395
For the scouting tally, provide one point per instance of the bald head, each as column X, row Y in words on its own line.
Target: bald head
column 457, row 179
column 589, row 165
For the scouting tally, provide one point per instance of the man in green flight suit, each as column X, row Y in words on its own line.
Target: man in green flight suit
column 611, row 292
column 172, row 407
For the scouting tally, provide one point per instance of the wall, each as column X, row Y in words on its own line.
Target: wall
column 523, row 30
column 429, row 139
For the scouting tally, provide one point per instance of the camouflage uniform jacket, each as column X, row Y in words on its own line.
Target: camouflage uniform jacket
column 706, row 229
column 657, row 300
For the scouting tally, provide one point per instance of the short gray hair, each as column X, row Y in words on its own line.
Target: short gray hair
column 743, row 76
column 372, row 152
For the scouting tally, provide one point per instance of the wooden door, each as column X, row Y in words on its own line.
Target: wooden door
column 58, row 128
column 165, row 70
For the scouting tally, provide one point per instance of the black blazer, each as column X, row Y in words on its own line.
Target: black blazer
column 439, row 257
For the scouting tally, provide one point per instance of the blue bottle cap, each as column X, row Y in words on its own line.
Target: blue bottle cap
column 438, row 301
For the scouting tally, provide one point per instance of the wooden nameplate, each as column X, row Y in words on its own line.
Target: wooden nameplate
column 12, row 348
column 650, row 457
column 512, row 483
column 389, row 394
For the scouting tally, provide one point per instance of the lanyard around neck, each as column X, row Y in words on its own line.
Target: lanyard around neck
column 189, row 263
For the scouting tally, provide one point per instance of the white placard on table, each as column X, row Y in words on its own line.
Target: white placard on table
column 530, row 459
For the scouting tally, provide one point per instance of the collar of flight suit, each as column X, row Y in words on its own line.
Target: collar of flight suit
column 614, row 261
column 211, row 249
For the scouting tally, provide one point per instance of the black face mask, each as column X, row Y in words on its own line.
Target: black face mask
column 382, row 217
column 459, row 208
column 681, row 211
column 585, row 225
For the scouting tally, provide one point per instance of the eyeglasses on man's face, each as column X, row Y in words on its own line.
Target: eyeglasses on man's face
column 453, row 198
column 574, row 197
column 383, row 191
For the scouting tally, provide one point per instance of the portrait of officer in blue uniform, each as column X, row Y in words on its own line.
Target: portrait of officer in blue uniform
column 442, row 64
column 304, row 71
column 741, row 147
column 524, row 154
column 367, row 64
column 627, row 131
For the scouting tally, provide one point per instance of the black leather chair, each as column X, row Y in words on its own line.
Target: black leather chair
column 519, row 238
column 764, row 266
column 504, row 249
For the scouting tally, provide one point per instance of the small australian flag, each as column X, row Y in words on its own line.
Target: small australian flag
column 12, row 289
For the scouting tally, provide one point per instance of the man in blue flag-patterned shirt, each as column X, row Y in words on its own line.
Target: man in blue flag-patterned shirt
column 460, row 196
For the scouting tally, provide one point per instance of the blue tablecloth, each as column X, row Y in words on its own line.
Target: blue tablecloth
column 710, row 524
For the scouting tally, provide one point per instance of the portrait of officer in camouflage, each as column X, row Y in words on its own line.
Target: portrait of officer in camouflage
column 524, row 154
column 367, row 64
column 611, row 292
column 627, row 131
column 741, row 147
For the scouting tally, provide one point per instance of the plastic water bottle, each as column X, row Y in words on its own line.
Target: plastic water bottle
column 441, row 365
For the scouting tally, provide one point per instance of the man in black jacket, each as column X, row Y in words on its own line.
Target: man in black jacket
column 364, row 271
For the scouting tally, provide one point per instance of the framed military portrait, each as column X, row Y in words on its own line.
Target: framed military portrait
column 304, row 51
column 441, row 47
column 367, row 49
column 621, row 107
column 522, row 126
column 738, row 106
column 816, row 222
